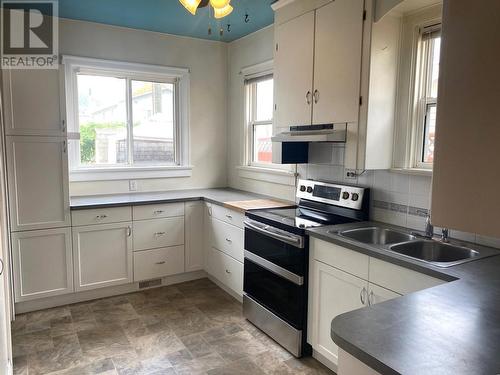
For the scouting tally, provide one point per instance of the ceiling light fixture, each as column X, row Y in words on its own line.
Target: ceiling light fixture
column 222, row 8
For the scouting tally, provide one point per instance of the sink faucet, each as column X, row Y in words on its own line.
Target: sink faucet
column 429, row 228
column 444, row 235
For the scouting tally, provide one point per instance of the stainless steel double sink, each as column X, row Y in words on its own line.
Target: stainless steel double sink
column 435, row 252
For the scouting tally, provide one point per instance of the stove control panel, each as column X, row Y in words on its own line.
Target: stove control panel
column 338, row 195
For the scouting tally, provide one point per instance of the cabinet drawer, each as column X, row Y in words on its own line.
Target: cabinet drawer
column 150, row 264
column 158, row 211
column 226, row 269
column 339, row 257
column 227, row 238
column 101, row 216
column 228, row 216
column 156, row 233
column 399, row 279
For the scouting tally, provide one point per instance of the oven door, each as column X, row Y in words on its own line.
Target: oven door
column 283, row 249
column 281, row 293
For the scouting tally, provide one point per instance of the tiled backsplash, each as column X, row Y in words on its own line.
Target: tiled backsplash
column 396, row 198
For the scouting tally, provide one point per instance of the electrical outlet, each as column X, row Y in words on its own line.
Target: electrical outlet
column 350, row 174
column 132, row 185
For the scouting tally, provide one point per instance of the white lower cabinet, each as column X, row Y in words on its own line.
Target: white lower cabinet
column 42, row 263
column 342, row 280
column 155, row 263
column 226, row 269
column 155, row 233
column 102, row 255
column 227, row 238
column 334, row 292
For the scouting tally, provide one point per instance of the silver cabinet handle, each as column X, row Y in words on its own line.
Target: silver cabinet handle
column 1, row 267
column 63, row 126
column 100, row 217
column 209, row 211
column 157, row 212
column 228, row 272
column 229, row 217
column 159, row 234
column 162, row 262
column 316, row 96
column 65, row 146
column 362, row 295
column 371, row 298
column 129, row 231
column 229, row 240
column 308, row 97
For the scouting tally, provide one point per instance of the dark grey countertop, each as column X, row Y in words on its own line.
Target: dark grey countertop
column 453, row 328
column 216, row 195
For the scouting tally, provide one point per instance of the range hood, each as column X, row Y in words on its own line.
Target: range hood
column 313, row 133
column 292, row 146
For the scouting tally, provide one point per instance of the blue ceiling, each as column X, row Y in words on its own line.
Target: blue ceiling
column 169, row 16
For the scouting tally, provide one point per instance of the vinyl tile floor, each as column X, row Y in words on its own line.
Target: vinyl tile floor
column 190, row 328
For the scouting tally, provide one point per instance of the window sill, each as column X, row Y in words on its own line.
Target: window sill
column 272, row 175
column 413, row 171
column 110, row 174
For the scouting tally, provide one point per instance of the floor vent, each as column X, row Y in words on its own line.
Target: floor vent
column 149, row 283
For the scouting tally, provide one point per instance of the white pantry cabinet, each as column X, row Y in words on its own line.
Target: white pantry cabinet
column 194, row 228
column 42, row 262
column 37, row 170
column 33, row 103
column 102, row 255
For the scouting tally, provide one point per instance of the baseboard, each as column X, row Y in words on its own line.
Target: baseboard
column 229, row 291
column 66, row 299
column 321, row 358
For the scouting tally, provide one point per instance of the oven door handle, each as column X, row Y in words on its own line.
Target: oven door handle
column 271, row 267
column 297, row 241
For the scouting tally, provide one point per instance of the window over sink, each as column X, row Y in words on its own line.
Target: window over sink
column 126, row 119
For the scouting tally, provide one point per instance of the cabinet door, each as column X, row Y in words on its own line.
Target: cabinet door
column 334, row 292
column 103, row 255
column 33, row 103
column 293, row 71
column 207, row 232
column 42, row 263
column 38, row 182
column 378, row 294
column 337, row 61
column 193, row 220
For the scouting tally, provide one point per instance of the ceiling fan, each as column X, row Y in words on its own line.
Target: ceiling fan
column 222, row 8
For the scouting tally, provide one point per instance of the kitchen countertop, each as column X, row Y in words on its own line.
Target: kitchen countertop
column 217, row 196
column 453, row 328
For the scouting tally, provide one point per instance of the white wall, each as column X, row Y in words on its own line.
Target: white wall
column 207, row 61
column 250, row 50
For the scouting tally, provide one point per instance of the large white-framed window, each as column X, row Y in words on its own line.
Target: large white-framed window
column 126, row 120
column 426, row 95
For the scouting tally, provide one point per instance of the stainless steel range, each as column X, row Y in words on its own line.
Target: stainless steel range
column 277, row 257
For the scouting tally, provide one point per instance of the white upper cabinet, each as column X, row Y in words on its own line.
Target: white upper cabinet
column 38, row 182
column 33, row 103
column 337, row 62
column 293, row 71
column 318, row 65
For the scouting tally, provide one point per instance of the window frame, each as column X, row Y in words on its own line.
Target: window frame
column 422, row 101
column 74, row 65
column 251, row 113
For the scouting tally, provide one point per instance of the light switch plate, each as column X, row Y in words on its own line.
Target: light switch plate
column 132, row 185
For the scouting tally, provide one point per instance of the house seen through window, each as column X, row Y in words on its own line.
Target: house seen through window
column 125, row 122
